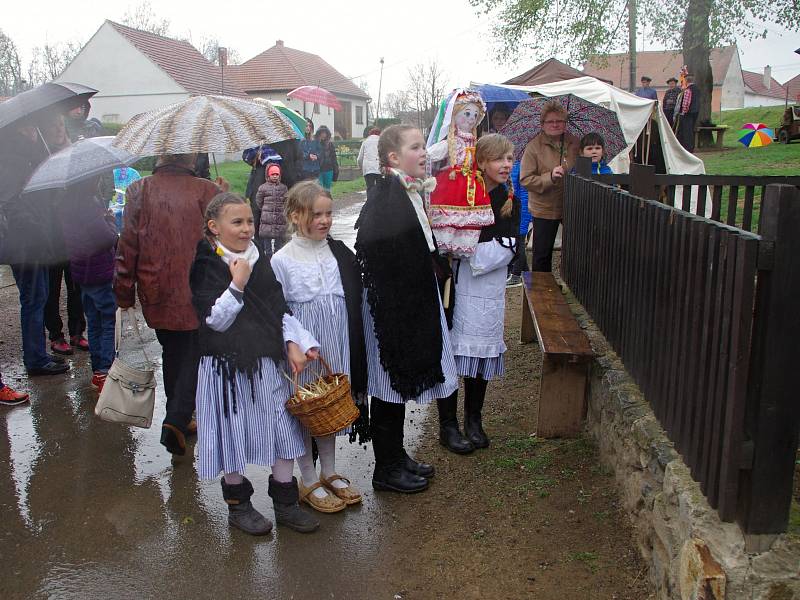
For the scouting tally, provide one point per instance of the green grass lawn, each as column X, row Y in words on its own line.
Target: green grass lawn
column 775, row 159
column 236, row 173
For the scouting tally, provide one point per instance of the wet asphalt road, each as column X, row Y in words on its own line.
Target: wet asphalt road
column 96, row 510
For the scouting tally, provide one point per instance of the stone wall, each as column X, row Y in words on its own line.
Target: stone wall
column 691, row 554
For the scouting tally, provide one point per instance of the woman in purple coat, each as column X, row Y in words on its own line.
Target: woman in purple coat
column 90, row 236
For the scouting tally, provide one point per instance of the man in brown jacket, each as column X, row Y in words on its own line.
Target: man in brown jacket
column 547, row 159
column 161, row 226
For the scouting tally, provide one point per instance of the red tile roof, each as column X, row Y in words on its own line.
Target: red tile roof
column 281, row 68
column 793, row 85
column 547, row 72
column 182, row 62
column 755, row 81
column 658, row 64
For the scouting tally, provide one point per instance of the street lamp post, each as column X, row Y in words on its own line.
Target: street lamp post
column 380, row 84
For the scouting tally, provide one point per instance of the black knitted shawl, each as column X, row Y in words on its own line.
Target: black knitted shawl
column 351, row 283
column 257, row 331
column 398, row 276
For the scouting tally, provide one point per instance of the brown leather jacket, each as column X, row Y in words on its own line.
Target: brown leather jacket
column 162, row 223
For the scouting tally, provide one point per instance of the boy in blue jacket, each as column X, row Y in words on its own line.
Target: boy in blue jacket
column 594, row 146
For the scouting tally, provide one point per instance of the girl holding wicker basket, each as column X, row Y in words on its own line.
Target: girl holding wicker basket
column 247, row 338
column 322, row 285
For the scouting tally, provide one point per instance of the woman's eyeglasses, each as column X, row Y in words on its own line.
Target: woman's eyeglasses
column 555, row 122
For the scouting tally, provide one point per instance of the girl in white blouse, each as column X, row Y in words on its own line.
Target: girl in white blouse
column 322, row 287
column 478, row 319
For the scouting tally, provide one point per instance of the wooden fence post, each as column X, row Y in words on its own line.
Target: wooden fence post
column 643, row 181
column 772, row 415
column 583, row 166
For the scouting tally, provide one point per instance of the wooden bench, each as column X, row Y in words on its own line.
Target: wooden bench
column 720, row 131
column 566, row 354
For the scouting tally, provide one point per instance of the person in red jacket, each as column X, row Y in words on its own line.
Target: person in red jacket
column 161, row 226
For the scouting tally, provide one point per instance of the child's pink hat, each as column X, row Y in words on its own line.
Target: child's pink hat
column 272, row 169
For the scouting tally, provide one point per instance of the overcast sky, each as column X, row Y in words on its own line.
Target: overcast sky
column 350, row 35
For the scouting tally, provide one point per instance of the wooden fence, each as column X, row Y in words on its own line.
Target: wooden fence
column 733, row 200
column 705, row 317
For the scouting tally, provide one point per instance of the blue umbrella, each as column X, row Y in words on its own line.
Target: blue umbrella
column 497, row 93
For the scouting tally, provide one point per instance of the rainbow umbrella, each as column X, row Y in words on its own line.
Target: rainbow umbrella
column 753, row 135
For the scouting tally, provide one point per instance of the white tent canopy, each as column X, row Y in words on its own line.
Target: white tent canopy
column 633, row 113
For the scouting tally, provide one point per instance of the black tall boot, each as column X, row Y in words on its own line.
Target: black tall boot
column 474, row 394
column 241, row 513
column 449, row 435
column 386, row 423
column 285, row 499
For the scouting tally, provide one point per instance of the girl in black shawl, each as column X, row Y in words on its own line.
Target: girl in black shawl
column 247, row 336
column 408, row 347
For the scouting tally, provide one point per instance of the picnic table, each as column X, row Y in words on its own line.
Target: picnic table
column 720, row 131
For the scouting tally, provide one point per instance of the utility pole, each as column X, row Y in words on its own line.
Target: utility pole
column 380, row 84
column 632, row 45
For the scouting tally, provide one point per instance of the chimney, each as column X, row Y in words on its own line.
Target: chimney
column 279, row 43
column 767, row 77
column 222, row 56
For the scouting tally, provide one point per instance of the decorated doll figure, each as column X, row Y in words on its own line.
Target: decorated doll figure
column 459, row 206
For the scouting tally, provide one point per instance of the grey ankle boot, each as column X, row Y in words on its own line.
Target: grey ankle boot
column 285, row 498
column 241, row 513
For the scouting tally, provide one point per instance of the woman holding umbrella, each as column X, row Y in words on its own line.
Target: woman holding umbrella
column 548, row 157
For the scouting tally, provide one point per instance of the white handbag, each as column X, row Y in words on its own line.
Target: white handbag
column 129, row 393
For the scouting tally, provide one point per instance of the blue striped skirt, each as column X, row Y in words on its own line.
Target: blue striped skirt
column 326, row 319
column 258, row 433
column 488, row 368
column 379, row 384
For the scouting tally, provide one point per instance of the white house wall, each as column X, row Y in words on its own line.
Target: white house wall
column 128, row 82
column 751, row 99
column 358, row 128
column 733, row 85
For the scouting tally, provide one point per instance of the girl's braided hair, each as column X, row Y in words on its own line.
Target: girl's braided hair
column 217, row 205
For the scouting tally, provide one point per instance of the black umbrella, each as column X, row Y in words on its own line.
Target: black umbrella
column 44, row 96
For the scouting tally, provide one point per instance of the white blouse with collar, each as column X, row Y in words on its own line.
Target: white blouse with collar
column 307, row 270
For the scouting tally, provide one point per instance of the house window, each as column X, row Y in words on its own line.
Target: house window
column 359, row 115
column 316, row 108
column 110, row 118
column 329, row 110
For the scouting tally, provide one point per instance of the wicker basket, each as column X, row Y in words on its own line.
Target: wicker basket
column 328, row 413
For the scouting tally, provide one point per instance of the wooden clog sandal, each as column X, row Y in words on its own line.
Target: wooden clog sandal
column 328, row 504
column 350, row 494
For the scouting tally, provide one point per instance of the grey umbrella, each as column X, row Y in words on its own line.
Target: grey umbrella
column 79, row 161
column 47, row 95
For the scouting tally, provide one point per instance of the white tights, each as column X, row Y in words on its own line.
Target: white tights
column 281, row 471
column 327, row 460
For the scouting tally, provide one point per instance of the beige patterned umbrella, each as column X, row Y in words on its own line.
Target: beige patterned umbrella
column 204, row 124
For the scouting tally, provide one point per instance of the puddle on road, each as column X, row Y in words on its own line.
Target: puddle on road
column 93, row 509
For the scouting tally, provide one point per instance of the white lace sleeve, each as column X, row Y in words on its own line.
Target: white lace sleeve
column 224, row 311
column 492, row 255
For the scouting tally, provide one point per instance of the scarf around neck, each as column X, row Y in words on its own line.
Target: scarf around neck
column 414, row 188
column 228, row 256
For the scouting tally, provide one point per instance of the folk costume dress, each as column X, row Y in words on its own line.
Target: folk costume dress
column 480, row 282
column 459, row 205
column 241, row 392
column 409, row 355
column 322, row 286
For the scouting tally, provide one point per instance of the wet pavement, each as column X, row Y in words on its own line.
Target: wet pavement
column 90, row 509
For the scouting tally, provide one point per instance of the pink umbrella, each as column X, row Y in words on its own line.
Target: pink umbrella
column 318, row 95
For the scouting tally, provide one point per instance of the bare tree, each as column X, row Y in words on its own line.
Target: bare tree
column 427, row 86
column 143, row 17
column 11, row 74
column 49, row 61
column 396, row 103
column 209, row 47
